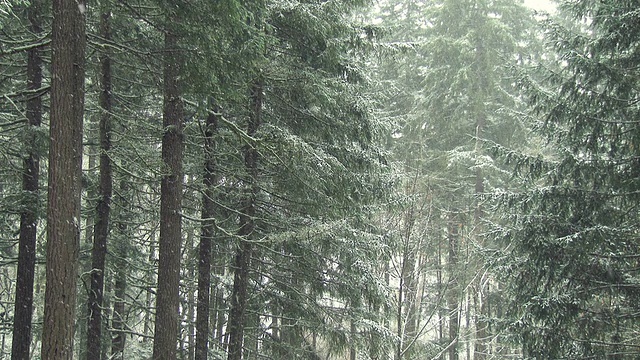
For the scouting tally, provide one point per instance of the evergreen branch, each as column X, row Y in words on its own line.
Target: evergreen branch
column 35, row 92
column 103, row 43
column 12, row 123
column 223, row 230
column 249, row 140
column 20, row 49
column 140, row 16
column 605, row 343
column 129, row 332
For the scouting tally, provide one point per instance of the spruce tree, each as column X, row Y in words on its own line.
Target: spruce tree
column 571, row 233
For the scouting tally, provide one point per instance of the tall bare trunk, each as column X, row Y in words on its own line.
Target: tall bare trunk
column 247, row 227
column 23, row 311
column 103, row 208
column 207, row 232
column 65, row 173
column 121, row 252
column 169, row 250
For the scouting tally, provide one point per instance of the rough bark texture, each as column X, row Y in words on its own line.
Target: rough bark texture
column 207, row 232
column 168, row 298
column 101, row 227
column 247, row 227
column 23, row 310
column 65, row 172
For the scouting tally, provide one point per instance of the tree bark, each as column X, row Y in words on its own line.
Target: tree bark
column 23, row 310
column 65, row 173
column 168, row 296
column 247, row 227
column 207, row 232
column 103, row 207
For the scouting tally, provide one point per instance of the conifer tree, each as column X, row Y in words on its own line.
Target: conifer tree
column 449, row 92
column 571, row 233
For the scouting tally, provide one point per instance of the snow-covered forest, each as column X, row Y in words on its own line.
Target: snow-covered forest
column 319, row 179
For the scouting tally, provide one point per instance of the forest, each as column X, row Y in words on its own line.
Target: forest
column 319, row 179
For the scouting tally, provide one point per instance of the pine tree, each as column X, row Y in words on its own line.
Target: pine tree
column 571, row 232
column 449, row 91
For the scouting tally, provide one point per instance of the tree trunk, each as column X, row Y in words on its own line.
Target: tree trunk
column 151, row 279
column 190, row 306
column 221, row 308
column 103, row 207
column 207, row 232
column 65, row 173
column 119, row 337
column 481, row 301
column 235, row 327
column 480, row 308
column 453, row 296
column 247, row 227
column 120, row 287
column 440, row 291
column 353, row 331
column 168, row 296
column 406, row 289
column 23, row 310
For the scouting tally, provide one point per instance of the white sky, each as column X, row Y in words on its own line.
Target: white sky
column 544, row 5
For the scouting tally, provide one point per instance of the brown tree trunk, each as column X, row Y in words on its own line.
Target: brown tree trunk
column 65, row 173
column 103, row 207
column 121, row 253
column 247, row 227
column 168, row 297
column 207, row 232
column 353, row 331
column 23, row 310
column 120, row 288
